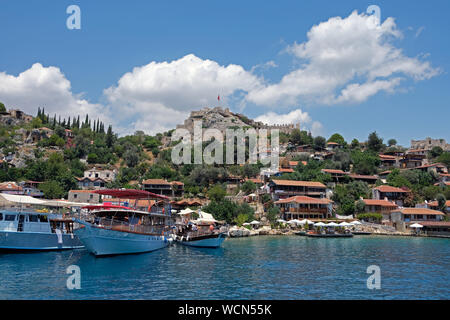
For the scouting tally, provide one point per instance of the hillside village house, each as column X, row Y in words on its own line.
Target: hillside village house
column 336, row 175
column 105, row 174
column 83, row 196
column 282, row 189
column 389, row 161
column 413, row 159
column 302, row 207
column 31, row 188
column 163, row 187
column 332, row 146
column 390, row 193
column 10, row 187
column 434, row 205
column 416, row 215
column 91, row 183
column 383, row 207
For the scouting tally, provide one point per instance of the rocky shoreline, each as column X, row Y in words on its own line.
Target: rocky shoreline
column 238, row 232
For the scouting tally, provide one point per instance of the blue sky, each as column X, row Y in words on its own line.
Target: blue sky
column 263, row 39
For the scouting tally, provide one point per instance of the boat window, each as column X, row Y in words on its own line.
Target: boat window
column 43, row 218
column 1, row 216
column 33, row 218
column 10, row 217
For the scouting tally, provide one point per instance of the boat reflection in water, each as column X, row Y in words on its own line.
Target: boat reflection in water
column 123, row 229
column 203, row 232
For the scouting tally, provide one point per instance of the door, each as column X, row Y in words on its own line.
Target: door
column 20, row 224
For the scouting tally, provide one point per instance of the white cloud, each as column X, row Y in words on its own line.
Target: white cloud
column 45, row 87
column 167, row 90
column 293, row 117
column 344, row 54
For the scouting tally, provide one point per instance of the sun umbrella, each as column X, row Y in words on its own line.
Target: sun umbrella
column 319, row 224
column 246, row 224
column 416, row 225
column 344, row 224
column 332, row 224
column 281, row 221
column 356, row 222
column 255, row 222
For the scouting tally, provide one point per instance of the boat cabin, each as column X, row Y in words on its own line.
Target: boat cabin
column 36, row 222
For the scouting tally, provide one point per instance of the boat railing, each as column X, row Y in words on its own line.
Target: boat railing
column 199, row 233
column 114, row 224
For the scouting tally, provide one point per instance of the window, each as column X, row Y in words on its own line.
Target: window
column 43, row 218
column 33, row 218
column 10, row 217
column 1, row 216
column 91, row 196
column 75, row 195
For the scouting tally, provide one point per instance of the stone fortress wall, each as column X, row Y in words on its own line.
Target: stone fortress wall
column 428, row 144
column 222, row 119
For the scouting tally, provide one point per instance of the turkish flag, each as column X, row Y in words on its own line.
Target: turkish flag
column 218, row 97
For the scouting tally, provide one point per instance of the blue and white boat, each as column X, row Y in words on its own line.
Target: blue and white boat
column 120, row 229
column 36, row 231
column 201, row 233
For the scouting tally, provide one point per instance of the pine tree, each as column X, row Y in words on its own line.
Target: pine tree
column 109, row 137
column 54, row 121
column 68, row 123
column 59, row 120
column 78, row 122
column 39, row 113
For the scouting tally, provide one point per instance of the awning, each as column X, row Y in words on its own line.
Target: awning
column 13, row 198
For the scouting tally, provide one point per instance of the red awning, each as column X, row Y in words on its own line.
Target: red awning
column 105, row 206
column 129, row 194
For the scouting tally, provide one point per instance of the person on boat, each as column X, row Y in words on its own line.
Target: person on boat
column 211, row 228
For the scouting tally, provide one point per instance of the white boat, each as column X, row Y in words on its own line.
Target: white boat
column 118, row 229
column 36, row 231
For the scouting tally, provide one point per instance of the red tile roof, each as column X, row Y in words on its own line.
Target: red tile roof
column 421, row 211
column 435, row 203
column 155, row 181
column 333, row 171
column 304, row 199
column 10, row 186
column 293, row 163
column 386, row 157
column 386, row 188
column 288, row 170
column 299, row 183
column 382, row 203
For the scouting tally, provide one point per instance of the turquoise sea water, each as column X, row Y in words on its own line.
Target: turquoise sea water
column 267, row 267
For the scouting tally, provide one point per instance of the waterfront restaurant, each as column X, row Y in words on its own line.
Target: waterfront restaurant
column 282, row 189
column 302, row 207
column 436, row 228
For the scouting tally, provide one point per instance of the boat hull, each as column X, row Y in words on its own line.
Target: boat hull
column 106, row 242
column 30, row 241
column 205, row 242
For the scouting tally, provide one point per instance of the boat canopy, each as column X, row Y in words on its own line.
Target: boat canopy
column 130, row 194
column 20, row 199
column 105, row 206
